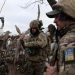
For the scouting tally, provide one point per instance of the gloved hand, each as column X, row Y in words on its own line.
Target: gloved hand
column 51, row 3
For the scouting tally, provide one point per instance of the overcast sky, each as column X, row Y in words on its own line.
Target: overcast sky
column 15, row 15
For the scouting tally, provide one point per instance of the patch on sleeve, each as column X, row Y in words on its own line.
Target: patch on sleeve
column 69, row 55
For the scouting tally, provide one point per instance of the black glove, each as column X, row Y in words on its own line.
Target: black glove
column 51, row 3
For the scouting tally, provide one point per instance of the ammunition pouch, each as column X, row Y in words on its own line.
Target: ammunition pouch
column 69, row 56
column 33, row 51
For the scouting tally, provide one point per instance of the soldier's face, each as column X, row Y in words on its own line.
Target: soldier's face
column 34, row 31
column 59, row 23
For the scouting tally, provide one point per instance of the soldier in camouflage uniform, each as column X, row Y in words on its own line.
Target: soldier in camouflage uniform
column 36, row 46
column 3, row 64
column 64, row 14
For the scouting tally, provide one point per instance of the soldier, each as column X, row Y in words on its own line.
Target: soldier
column 64, row 14
column 3, row 64
column 36, row 46
column 51, row 33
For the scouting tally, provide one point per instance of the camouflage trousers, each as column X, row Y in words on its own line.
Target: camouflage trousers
column 35, row 68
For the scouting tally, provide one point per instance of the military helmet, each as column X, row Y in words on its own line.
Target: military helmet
column 34, row 24
column 51, row 27
column 66, row 6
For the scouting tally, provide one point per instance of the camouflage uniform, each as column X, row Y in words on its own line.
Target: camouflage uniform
column 64, row 12
column 67, row 41
column 3, row 64
column 36, row 47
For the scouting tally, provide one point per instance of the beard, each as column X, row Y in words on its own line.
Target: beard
column 34, row 33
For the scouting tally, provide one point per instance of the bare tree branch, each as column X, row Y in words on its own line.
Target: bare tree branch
column 36, row 1
column 28, row 5
column 2, row 6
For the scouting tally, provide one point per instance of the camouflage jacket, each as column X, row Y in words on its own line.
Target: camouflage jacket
column 37, row 46
column 67, row 42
